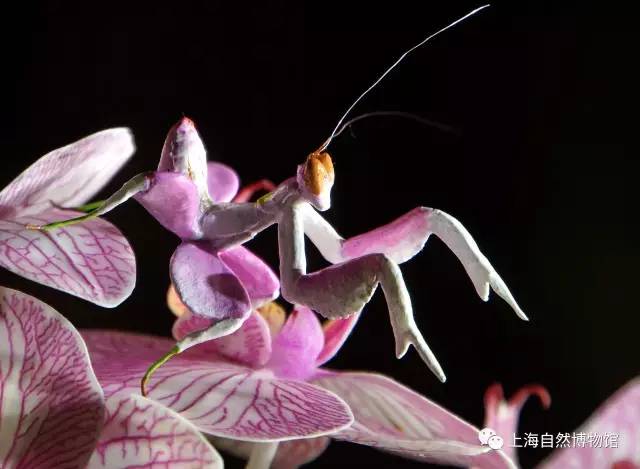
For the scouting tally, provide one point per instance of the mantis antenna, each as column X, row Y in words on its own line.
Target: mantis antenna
column 402, row 114
column 386, row 72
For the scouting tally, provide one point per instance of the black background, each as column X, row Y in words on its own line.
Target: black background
column 539, row 168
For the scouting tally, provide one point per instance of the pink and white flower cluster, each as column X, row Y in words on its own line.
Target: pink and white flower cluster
column 259, row 388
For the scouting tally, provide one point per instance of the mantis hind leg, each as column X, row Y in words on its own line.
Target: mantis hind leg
column 344, row 289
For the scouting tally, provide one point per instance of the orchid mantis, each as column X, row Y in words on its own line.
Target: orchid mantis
column 177, row 195
column 180, row 196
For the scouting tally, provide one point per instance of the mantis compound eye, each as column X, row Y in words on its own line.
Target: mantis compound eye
column 318, row 172
column 315, row 179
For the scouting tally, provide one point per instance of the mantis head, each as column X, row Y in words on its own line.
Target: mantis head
column 315, row 179
column 183, row 152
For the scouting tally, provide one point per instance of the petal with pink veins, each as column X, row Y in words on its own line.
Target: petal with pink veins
column 391, row 417
column 336, row 332
column 51, row 405
column 502, row 416
column 68, row 176
column 257, row 278
column 206, row 285
column 91, row 260
column 297, row 345
column 220, row 398
column 619, row 415
column 139, row 432
column 223, row 182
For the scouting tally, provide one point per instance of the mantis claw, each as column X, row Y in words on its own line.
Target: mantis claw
column 425, row 353
column 406, row 333
column 498, row 286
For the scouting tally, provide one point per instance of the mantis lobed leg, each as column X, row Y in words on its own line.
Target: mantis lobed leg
column 132, row 187
column 344, row 289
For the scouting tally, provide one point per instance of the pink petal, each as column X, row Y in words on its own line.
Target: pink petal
column 219, row 397
column 336, row 332
column 290, row 454
column 257, row 278
column 619, row 415
column 68, row 176
column 139, row 432
column 173, row 200
column 246, row 193
column 206, row 285
column 393, row 418
column 91, row 260
column 250, row 345
column 296, row 348
column 400, row 240
column 223, row 182
column 51, row 406
column 502, row 416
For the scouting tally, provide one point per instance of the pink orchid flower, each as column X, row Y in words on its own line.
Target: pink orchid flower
column 53, row 413
column 619, row 415
column 261, row 392
column 93, row 261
